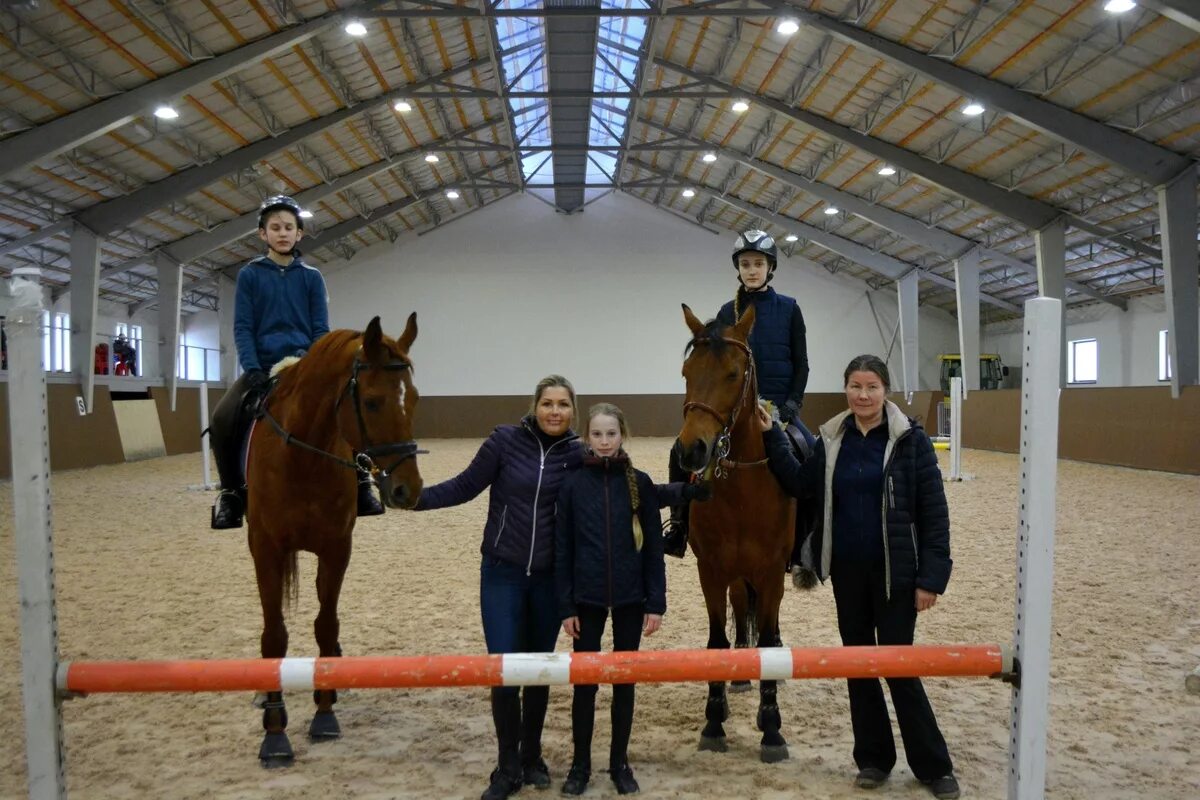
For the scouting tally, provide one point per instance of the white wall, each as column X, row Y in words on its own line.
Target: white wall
column 201, row 333
column 1127, row 341
column 515, row 291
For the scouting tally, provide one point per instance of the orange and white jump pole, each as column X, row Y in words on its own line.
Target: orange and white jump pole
column 534, row 669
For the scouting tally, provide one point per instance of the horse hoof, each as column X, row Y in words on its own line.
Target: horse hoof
column 276, row 751
column 737, row 687
column 713, row 744
column 324, row 727
column 774, row 753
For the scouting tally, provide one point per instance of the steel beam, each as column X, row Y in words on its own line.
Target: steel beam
column 118, row 213
column 170, row 285
column 1029, row 212
column 1050, row 243
column 84, row 286
column 1142, row 159
column 71, row 130
column 906, row 300
column 1185, row 12
column 1177, row 213
column 966, row 279
column 12, row 245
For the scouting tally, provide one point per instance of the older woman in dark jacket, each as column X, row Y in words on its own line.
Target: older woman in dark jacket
column 884, row 538
column 525, row 465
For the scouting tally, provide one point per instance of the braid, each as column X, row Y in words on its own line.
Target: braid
column 737, row 305
column 636, row 500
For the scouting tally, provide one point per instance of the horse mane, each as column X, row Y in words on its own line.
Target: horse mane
column 714, row 335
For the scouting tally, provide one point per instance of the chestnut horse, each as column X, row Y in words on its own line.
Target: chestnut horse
column 348, row 403
column 743, row 536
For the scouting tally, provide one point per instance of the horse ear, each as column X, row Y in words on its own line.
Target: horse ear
column 696, row 326
column 372, row 341
column 744, row 324
column 410, row 333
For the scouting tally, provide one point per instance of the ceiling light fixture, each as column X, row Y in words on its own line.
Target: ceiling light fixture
column 452, row 194
column 791, row 237
column 972, row 109
column 689, row 192
column 709, row 158
column 402, row 106
column 356, row 28
column 887, row 170
column 787, row 26
column 829, row 212
column 1119, row 6
column 431, row 158
column 306, row 214
column 166, row 112
column 740, row 105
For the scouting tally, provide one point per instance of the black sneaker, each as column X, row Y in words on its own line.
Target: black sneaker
column 368, row 501
column 537, row 774
column 622, row 778
column 227, row 511
column 577, row 781
column 943, row 788
column 502, row 786
column 870, row 778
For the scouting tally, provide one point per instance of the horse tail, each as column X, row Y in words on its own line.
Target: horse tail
column 291, row 583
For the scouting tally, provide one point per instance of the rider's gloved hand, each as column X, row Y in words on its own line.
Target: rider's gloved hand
column 256, row 379
column 698, row 491
column 789, row 412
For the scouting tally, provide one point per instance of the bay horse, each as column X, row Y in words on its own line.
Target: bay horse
column 743, row 536
column 348, row 403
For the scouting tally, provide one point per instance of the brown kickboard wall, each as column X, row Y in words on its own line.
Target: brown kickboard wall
column 75, row 441
column 181, row 427
column 1129, row 426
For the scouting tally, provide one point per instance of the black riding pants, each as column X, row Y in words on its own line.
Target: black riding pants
column 627, row 635
column 227, row 432
column 867, row 617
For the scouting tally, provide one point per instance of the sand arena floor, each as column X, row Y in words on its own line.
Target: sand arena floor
column 140, row 575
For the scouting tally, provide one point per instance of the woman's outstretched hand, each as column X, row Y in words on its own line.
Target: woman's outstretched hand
column 763, row 417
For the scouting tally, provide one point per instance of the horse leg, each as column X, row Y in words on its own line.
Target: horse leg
column 773, row 746
column 269, row 567
column 740, row 601
column 716, row 711
column 331, row 568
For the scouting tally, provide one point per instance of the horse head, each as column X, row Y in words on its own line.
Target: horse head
column 377, row 421
column 719, row 373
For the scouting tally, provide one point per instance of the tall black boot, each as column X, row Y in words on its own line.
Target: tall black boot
column 506, row 714
column 675, row 535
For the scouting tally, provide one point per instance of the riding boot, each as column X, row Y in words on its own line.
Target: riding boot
column 368, row 501
column 228, row 510
column 230, row 424
column 506, row 714
column 675, row 536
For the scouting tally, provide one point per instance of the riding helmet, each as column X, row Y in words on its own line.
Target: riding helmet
column 280, row 202
column 758, row 242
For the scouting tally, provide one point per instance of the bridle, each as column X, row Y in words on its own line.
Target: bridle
column 722, row 465
column 367, row 457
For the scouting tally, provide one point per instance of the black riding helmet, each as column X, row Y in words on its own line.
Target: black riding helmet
column 279, row 202
column 756, row 241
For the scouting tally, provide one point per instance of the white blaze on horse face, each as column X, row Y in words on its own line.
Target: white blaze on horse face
column 403, row 394
column 604, row 435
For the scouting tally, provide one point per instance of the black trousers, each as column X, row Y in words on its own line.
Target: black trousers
column 627, row 635
column 867, row 617
column 227, row 432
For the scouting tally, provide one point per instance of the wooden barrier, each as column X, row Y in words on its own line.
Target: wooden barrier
column 534, row 669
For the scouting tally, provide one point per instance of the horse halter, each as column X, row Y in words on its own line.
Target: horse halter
column 721, row 450
column 366, row 457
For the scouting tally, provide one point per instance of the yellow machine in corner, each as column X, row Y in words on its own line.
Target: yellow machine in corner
column 992, row 371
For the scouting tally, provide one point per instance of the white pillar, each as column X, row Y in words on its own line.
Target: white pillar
column 1035, row 547
column 44, row 753
column 1177, row 216
column 170, row 295
column 85, row 285
column 226, row 296
column 957, row 391
column 906, row 297
column 1051, row 246
column 966, row 287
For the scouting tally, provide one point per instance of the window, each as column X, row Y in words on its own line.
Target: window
column 1082, row 361
column 46, row 363
column 1164, row 357
column 62, row 342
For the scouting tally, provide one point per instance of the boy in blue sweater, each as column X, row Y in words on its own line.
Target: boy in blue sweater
column 280, row 310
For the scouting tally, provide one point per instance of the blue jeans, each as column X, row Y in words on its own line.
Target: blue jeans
column 520, row 615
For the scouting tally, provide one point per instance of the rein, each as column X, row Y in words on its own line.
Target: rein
column 367, row 457
column 721, row 465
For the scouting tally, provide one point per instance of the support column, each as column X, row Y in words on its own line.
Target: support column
column 1177, row 216
column 226, row 294
column 906, row 297
column 170, row 299
column 85, row 294
column 1051, row 245
column 966, row 286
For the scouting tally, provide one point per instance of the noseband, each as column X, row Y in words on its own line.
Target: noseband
column 368, row 456
column 721, row 450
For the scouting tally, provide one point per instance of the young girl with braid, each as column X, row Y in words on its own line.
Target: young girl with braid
column 608, row 560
